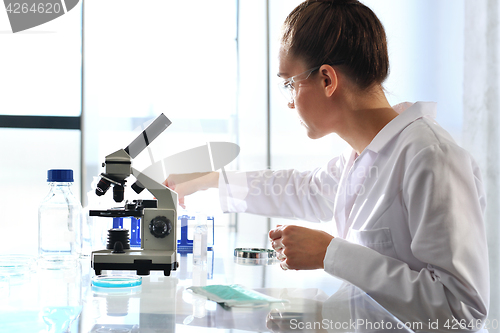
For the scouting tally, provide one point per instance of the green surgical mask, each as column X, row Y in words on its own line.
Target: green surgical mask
column 235, row 295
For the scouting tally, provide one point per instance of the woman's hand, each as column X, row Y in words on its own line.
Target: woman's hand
column 299, row 247
column 186, row 184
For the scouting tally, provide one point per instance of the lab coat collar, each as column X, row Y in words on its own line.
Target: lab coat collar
column 408, row 114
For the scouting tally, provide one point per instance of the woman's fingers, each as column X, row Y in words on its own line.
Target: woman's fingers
column 299, row 247
column 276, row 233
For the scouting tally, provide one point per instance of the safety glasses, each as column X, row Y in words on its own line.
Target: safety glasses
column 287, row 86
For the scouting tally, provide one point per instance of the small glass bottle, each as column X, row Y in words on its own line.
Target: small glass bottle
column 200, row 240
column 59, row 221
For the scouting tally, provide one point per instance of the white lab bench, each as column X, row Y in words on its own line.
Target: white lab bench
column 316, row 302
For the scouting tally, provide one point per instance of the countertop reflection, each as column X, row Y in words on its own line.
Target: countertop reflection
column 64, row 301
column 165, row 305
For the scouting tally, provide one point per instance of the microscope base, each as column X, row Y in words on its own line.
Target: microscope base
column 134, row 261
column 143, row 267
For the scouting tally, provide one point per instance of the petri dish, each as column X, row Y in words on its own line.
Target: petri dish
column 117, row 284
column 254, row 253
column 255, row 256
column 116, row 281
column 17, row 268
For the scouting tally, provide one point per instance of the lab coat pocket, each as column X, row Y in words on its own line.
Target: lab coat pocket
column 379, row 240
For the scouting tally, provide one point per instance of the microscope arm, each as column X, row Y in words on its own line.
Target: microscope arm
column 167, row 198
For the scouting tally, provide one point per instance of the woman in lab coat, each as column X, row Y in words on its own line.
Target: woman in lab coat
column 407, row 201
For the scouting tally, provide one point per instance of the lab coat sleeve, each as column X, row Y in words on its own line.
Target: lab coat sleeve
column 443, row 195
column 289, row 194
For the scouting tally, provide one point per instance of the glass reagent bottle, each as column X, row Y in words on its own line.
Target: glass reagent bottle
column 59, row 221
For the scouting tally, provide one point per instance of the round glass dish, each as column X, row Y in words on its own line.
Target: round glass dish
column 254, row 253
column 119, row 285
column 255, row 256
column 116, row 281
column 12, row 263
column 17, row 268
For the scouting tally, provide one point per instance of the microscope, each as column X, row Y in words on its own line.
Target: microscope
column 157, row 217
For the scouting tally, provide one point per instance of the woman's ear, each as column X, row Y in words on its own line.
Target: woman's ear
column 329, row 78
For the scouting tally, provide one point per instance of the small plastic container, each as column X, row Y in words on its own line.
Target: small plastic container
column 200, row 240
column 186, row 227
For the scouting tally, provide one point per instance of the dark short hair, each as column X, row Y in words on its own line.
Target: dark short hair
column 331, row 31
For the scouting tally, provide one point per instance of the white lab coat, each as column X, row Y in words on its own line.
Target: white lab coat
column 414, row 239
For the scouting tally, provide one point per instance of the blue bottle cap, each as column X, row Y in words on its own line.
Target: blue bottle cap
column 60, row 175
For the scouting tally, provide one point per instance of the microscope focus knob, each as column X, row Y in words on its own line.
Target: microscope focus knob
column 160, row 227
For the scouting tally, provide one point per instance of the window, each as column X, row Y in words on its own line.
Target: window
column 40, row 113
column 148, row 58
